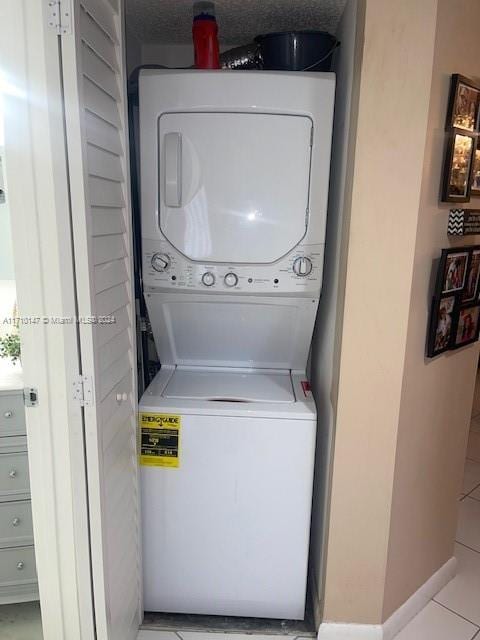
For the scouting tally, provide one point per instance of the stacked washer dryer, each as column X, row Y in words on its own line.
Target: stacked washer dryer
column 234, row 184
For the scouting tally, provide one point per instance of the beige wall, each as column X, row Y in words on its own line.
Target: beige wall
column 392, row 121
column 437, row 394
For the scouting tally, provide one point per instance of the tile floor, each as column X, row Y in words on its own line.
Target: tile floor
column 454, row 613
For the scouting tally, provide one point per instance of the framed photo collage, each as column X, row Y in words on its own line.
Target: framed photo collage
column 455, row 311
column 461, row 173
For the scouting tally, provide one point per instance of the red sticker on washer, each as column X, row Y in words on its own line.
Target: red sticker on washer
column 306, row 388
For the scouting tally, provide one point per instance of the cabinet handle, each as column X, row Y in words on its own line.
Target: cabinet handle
column 13, row 473
column 20, row 566
column 8, row 414
column 15, row 522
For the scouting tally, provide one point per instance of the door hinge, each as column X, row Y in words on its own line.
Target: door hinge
column 83, row 391
column 30, row 397
column 59, row 16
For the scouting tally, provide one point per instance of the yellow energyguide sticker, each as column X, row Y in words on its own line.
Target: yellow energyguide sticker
column 159, row 439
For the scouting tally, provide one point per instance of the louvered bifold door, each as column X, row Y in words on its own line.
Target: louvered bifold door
column 95, row 114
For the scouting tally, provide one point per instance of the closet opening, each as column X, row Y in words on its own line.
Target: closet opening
column 232, row 248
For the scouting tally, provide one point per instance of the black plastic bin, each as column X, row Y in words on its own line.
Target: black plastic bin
column 297, row 50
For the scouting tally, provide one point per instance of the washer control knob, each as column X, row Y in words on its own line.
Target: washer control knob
column 231, row 280
column 160, row 261
column 208, row 279
column 302, row 266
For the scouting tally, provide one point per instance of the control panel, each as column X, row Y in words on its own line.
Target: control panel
column 299, row 272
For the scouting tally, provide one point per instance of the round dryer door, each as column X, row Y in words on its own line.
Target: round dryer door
column 234, row 187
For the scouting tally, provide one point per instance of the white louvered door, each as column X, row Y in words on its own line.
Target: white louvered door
column 95, row 113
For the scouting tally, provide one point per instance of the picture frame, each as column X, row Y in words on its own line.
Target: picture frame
column 442, row 324
column 467, row 326
column 475, row 175
column 452, row 271
column 454, row 319
column 470, row 291
column 463, row 104
column 458, row 163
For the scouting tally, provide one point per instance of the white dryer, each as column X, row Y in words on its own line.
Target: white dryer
column 234, row 186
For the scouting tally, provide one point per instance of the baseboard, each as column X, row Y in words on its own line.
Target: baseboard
column 338, row 631
column 402, row 616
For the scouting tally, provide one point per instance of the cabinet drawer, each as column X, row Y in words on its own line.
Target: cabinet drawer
column 14, row 481
column 12, row 415
column 17, row 566
column 16, row 528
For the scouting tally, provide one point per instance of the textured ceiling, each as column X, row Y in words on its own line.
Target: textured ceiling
column 170, row 21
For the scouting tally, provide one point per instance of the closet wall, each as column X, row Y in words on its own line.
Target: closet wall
column 437, row 394
column 392, row 121
column 326, row 343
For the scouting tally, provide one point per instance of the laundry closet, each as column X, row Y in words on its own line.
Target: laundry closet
column 206, row 378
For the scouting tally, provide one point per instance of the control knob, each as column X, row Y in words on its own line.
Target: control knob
column 302, row 266
column 208, row 279
column 231, row 280
column 160, row 261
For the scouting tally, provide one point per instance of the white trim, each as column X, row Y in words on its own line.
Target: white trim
column 339, row 631
column 402, row 616
column 399, row 619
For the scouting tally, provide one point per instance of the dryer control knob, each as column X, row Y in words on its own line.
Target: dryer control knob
column 160, row 261
column 230, row 280
column 302, row 266
column 208, row 279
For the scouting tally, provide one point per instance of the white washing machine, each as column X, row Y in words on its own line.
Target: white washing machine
column 234, row 185
column 227, row 531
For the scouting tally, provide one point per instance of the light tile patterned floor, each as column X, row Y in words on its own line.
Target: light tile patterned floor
column 454, row 613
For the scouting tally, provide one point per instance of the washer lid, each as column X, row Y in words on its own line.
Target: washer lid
column 245, row 332
column 230, row 386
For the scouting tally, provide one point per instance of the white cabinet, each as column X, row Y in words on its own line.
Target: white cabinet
column 18, row 576
column 16, row 526
column 12, row 414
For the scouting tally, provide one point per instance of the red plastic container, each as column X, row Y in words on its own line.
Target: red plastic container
column 205, row 42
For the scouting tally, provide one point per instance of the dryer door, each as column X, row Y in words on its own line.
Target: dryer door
column 234, row 187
